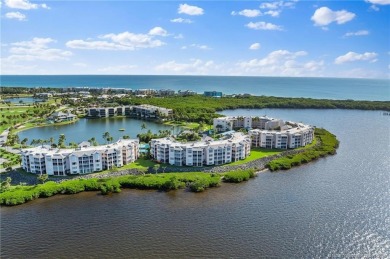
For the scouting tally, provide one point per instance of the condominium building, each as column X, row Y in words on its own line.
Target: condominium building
column 238, row 122
column 217, row 152
column 140, row 111
column 82, row 160
column 292, row 136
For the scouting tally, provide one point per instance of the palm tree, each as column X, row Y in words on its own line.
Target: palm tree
column 24, row 141
column 106, row 136
column 51, row 139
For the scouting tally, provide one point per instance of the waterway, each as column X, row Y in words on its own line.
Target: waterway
column 24, row 100
column 335, row 207
column 85, row 129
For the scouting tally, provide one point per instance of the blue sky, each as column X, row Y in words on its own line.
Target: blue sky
column 249, row 38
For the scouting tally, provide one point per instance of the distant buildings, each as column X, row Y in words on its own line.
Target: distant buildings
column 212, row 94
column 208, row 152
column 139, row 111
column 43, row 95
column 82, row 160
column 186, row 93
column 61, row 116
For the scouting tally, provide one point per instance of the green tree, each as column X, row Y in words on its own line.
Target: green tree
column 42, row 178
column 106, row 136
column 6, row 184
column 143, row 126
column 61, row 140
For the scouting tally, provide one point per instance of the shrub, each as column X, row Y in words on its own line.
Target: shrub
column 238, row 176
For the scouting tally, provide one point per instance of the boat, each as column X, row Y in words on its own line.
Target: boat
column 122, row 129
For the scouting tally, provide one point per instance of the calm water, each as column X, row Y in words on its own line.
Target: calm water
column 335, row 207
column 85, row 129
column 21, row 100
column 328, row 88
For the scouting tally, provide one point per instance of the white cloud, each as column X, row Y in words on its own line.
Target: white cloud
column 24, row 4
column 379, row 2
column 273, row 13
column 282, row 63
column 275, row 8
column 121, row 41
column 197, row 46
column 16, row 15
column 194, row 67
column 190, row 9
column 36, row 49
column 181, row 20
column 374, row 7
column 121, row 69
column 158, row 31
column 255, row 46
column 98, row 45
column 247, row 13
column 324, row 16
column 353, row 56
column 263, row 26
column 357, row 33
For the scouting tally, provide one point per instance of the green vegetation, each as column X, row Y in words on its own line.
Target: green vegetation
column 199, row 108
column 170, row 181
column 239, row 176
column 12, row 159
column 14, row 116
column 257, row 153
column 328, row 145
column 148, row 136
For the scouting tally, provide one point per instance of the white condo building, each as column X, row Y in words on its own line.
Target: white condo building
column 142, row 111
column 82, row 160
column 238, row 122
column 235, row 147
column 292, row 135
column 268, row 132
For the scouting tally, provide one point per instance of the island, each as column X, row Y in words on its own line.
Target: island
column 212, row 150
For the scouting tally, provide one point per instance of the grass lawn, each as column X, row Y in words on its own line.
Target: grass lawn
column 257, row 153
column 312, row 144
column 11, row 157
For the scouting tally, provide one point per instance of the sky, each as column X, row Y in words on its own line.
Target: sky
column 348, row 39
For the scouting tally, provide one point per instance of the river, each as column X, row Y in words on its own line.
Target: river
column 335, row 207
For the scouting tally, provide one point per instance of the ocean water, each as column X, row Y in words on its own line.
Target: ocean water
column 335, row 207
column 323, row 88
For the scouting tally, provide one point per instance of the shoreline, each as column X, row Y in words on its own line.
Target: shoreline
column 196, row 179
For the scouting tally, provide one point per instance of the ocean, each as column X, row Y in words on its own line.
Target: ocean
column 320, row 88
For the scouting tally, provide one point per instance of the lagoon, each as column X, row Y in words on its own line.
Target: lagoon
column 23, row 100
column 334, row 207
column 85, row 129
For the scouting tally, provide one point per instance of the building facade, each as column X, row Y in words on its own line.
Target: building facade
column 268, row 132
column 247, row 122
column 212, row 94
column 290, row 137
column 235, row 147
column 82, row 160
column 138, row 111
